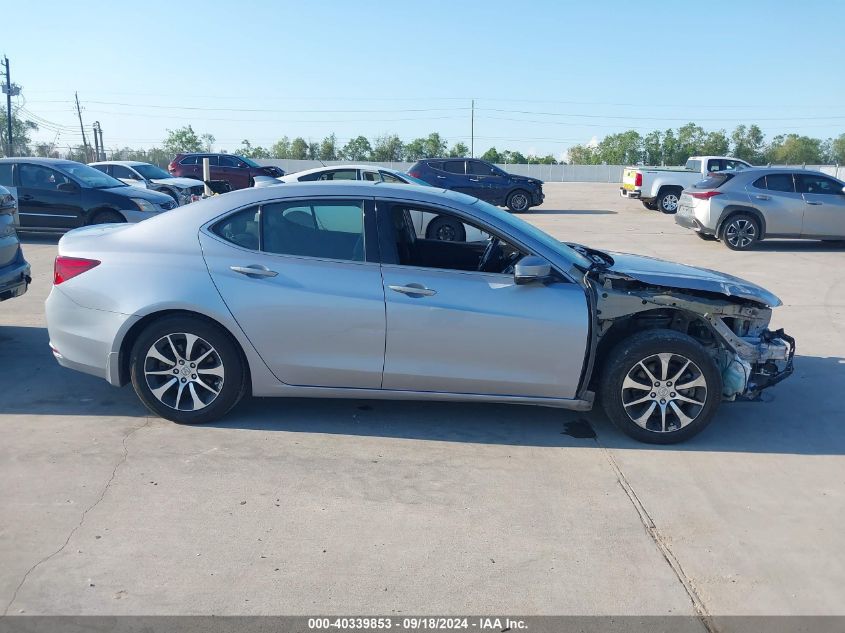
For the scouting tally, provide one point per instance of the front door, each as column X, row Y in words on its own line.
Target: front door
column 780, row 204
column 305, row 287
column 454, row 329
column 824, row 215
column 493, row 186
column 47, row 198
column 234, row 171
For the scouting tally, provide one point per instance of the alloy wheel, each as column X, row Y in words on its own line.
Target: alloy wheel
column 741, row 233
column 184, row 372
column 670, row 203
column 519, row 201
column 446, row 233
column 664, row 392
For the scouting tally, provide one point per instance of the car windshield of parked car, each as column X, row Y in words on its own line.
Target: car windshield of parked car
column 151, row 172
column 249, row 161
column 532, row 231
column 91, row 177
column 415, row 181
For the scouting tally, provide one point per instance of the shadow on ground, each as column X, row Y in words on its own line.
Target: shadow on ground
column 802, row 415
column 38, row 238
column 572, row 212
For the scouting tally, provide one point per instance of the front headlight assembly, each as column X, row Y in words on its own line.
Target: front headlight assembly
column 145, row 205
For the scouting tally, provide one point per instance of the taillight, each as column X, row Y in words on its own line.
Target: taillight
column 638, row 180
column 69, row 267
column 416, row 173
column 705, row 195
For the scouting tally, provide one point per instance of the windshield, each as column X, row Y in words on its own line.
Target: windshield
column 541, row 236
column 249, row 161
column 91, row 177
column 151, row 171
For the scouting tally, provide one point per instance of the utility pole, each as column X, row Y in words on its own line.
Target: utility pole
column 96, row 143
column 99, row 148
column 81, row 127
column 472, row 131
column 11, row 90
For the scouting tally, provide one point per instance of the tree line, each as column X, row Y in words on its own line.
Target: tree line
column 673, row 147
column 659, row 147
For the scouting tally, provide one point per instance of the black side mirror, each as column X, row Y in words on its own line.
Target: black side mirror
column 68, row 187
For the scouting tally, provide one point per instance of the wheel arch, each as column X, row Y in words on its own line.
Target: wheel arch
column 132, row 334
column 733, row 209
column 92, row 213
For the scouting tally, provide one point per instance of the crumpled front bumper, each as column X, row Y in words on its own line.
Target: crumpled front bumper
column 775, row 362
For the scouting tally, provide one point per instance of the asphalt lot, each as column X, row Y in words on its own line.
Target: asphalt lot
column 355, row 507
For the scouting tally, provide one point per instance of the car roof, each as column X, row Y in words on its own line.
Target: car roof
column 316, row 170
column 39, row 160
column 775, row 169
column 126, row 163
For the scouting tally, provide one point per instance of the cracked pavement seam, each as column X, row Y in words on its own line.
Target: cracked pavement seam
column 697, row 602
column 85, row 512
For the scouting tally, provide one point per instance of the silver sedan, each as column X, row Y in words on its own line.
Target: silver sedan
column 321, row 290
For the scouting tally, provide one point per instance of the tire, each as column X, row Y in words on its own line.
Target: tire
column 624, row 405
column 651, row 205
column 219, row 381
column 108, row 217
column 705, row 236
column 740, row 232
column 446, row 229
column 667, row 200
column 519, row 201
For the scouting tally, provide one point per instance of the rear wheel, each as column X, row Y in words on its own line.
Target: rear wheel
column 660, row 386
column 446, row 230
column 107, row 217
column 518, row 201
column 740, row 232
column 667, row 201
column 651, row 205
column 187, row 370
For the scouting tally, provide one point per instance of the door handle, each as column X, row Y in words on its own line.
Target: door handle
column 254, row 270
column 761, row 196
column 442, row 177
column 26, row 197
column 473, row 179
column 812, row 202
column 414, row 289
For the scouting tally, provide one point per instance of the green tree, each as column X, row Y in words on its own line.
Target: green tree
column 388, row 148
column 313, row 151
column 548, row 159
column 281, row 148
column 459, row 150
column 432, row 146
column 582, row 155
column 795, row 149
column 837, row 150
column 714, row 144
column 184, row 139
column 672, row 154
column 298, row 149
column 357, row 149
column 252, row 151
column 21, row 129
column 653, row 148
column 748, row 144
column 328, row 148
column 491, row 156
column 513, row 158
column 624, row 148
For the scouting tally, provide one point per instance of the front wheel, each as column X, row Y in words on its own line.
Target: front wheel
column 660, row 387
column 108, row 217
column 741, row 232
column 187, row 370
column 518, row 201
column 446, row 230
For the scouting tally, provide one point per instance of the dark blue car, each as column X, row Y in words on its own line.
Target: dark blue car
column 14, row 271
column 482, row 180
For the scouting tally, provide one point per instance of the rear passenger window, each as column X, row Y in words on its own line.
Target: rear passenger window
column 188, row 160
column 780, row 182
column 330, row 229
column 240, row 229
column 454, row 166
column 6, row 175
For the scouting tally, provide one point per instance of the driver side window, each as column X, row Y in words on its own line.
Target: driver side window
column 429, row 238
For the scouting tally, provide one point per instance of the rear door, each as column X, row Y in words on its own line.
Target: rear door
column 782, row 208
column 458, row 180
column 825, row 205
column 47, row 198
column 303, row 281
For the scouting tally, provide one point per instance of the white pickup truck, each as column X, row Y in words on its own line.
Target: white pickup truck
column 660, row 187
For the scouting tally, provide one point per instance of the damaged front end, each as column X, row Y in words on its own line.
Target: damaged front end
column 732, row 329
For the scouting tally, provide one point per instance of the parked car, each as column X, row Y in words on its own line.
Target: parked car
column 14, row 270
column 483, row 180
column 742, row 208
column 428, row 225
column 238, row 171
column 321, row 290
column 55, row 195
column 661, row 187
column 148, row 176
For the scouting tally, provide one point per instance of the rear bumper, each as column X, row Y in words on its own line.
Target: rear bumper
column 691, row 222
column 630, row 193
column 84, row 339
column 14, row 280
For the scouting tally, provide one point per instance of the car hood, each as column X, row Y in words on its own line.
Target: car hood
column 662, row 273
column 138, row 192
column 178, row 182
column 526, row 180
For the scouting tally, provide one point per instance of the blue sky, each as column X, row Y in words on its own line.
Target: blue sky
column 545, row 74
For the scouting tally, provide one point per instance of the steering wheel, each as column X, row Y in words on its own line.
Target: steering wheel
column 487, row 255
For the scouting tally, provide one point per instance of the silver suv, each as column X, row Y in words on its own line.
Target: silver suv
column 743, row 207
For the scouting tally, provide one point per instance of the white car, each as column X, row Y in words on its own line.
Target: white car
column 428, row 225
column 148, row 176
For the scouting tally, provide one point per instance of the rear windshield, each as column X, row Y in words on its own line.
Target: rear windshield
column 714, row 181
